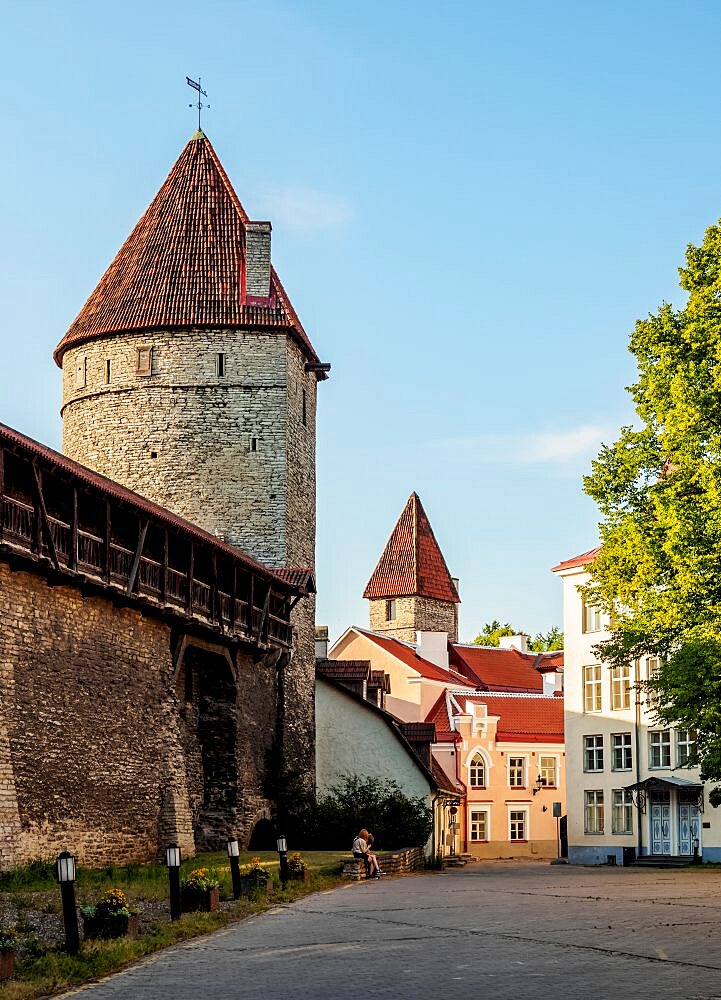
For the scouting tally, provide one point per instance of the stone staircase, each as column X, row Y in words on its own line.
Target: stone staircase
column 457, row 860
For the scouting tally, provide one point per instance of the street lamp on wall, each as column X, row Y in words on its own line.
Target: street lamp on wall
column 540, row 783
column 65, row 870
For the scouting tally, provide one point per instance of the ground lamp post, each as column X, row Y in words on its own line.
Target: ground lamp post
column 66, row 878
column 233, row 854
column 283, row 856
column 172, row 860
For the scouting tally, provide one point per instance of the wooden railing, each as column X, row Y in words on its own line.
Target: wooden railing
column 20, row 525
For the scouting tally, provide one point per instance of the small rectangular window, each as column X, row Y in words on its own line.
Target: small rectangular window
column 305, row 410
column 107, row 371
column 592, row 688
column 685, row 747
column 547, row 771
column 81, row 373
column 591, row 617
column 621, row 811
column 621, row 755
column 516, row 772
column 620, row 687
column 220, row 365
column 479, row 824
column 593, row 811
column 254, row 444
column 517, row 821
column 145, row 361
column 391, row 611
column 593, row 753
column 659, row 748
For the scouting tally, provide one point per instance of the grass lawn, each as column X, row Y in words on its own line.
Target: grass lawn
column 30, row 901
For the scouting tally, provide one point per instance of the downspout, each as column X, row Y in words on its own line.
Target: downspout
column 639, row 814
column 465, row 809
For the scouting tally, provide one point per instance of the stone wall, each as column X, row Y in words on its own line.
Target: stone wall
column 104, row 750
column 234, row 454
column 391, row 862
column 415, row 614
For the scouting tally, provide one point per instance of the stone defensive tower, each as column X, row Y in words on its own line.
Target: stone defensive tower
column 188, row 377
column 411, row 589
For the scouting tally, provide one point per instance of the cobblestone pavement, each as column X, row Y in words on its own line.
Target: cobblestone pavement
column 497, row 930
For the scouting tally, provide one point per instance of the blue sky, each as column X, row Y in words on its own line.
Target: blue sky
column 471, row 205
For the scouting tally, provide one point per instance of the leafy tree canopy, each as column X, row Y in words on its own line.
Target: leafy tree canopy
column 658, row 489
column 492, row 632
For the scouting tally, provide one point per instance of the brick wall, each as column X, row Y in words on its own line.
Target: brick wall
column 100, row 751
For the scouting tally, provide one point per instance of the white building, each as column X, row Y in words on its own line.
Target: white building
column 630, row 793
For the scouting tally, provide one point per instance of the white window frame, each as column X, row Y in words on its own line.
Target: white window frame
column 485, row 810
column 593, row 799
column 595, row 750
column 592, row 688
column 660, row 745
column 620, row 687
column 626, row 751
column 517, row 807
column 624, row 807
column 687, row 741
column 541, row 769
column 472, row 764
column 590, row 618
column 524, row 770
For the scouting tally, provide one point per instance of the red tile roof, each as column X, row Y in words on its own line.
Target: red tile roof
column 418, row 732
column 407, row 654
column 184, row 264
column 583, row 560
column 497, row 669
column 438, row 715
column 344, row 670
column 14, row 439
column 412, row 562
column 530, row 719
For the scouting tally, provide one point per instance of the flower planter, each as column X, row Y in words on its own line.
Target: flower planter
column 300, row 876
column 249, row 884
column 111, row 927
column 7, row 964
column 201, row 902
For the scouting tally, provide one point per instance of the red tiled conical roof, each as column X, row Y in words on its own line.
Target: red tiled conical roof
column 412, row 563
column 184, row 263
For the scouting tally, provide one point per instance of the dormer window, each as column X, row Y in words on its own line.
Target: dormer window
column 144, row 360
column 391, row 611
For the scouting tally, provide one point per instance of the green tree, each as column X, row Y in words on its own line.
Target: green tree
column 658, row 489
column 492, row 632
column 394, row 818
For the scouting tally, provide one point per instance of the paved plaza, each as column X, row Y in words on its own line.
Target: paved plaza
column 494, row 930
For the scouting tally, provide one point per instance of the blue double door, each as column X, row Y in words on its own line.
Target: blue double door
column 674, row 825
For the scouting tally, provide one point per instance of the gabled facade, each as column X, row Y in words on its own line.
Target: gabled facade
column 631, row 793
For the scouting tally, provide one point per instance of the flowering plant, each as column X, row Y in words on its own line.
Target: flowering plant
column 202, row 880
column 7, row 938
column 296, row 863
column 256, row 869
column 113, row 903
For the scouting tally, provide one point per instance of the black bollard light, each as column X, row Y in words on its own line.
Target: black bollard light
column 283, row 856
column 65, row 868
column 172, row 860
column 233, row 855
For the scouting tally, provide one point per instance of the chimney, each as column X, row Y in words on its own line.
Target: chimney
column 257, row 260
column 321, row 642
column 518, row 642
column 457, row 584
column 433, row 646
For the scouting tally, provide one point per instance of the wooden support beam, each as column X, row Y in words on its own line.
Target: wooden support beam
column 108, row 536
column 294, row 601
column 264, row 615
column 42, row 519
column 233, row 596
column 142, row 532
column 164, row 568
column 191, row 571
column 73, row 554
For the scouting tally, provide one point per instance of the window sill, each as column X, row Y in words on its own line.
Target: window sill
column 593, row 833
column 517, row 841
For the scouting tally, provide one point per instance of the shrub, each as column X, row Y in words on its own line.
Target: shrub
column 8, row 939
column 394, row 818
column 296, row 863
column 256, row 869
column 201, row 880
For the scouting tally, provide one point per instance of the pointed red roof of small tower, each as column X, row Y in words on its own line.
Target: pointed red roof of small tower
column 184, row 263
column 412, row 562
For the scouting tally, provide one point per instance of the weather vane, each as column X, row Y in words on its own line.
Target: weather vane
column 198, row 104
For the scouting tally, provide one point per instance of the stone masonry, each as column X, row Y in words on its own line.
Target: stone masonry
column 106, row 746
column 414, row 614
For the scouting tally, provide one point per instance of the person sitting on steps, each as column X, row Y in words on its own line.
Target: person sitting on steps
column 361, row 849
